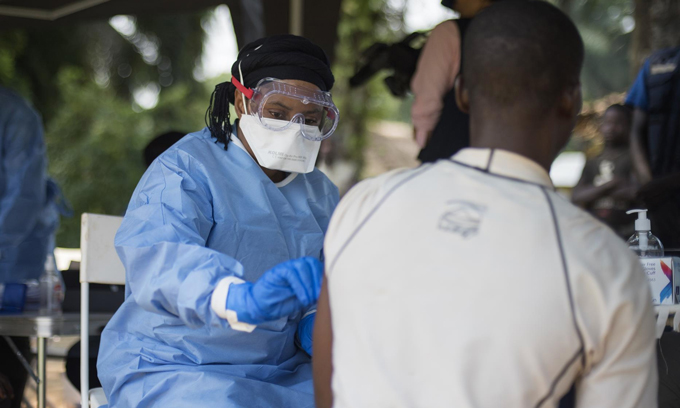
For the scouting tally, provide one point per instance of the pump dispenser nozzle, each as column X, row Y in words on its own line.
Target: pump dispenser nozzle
column 642, row 223
column 643, row 242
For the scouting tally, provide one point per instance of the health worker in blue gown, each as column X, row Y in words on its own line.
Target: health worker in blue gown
column 222, row 246
column 29, row 218
column 29, row 215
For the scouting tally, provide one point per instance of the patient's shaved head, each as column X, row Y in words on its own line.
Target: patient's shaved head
column 521, row 53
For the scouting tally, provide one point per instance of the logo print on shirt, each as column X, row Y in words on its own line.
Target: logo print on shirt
column 462, row 218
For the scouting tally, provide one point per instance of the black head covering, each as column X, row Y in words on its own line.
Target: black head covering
column 280, row 56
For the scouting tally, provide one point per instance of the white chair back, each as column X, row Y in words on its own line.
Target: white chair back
column 99, row 264
column 99, row 260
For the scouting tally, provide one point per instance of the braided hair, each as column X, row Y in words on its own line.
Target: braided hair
column 217, row 117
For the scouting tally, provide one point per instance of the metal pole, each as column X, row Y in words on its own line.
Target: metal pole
column 42, row 372
column 84, row 344
column 297, row 14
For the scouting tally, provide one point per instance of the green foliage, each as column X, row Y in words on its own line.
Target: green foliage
column 11, row 44
column 362, row 23
column 605, row 26
column 163, row 49
column 81, row 79
column 37, row 58
column 94, row 149
column 95, row 146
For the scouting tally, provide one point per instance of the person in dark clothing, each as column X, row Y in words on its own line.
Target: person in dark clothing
column 13, row 376
column 608, row 187
column 655, row 141
column 655, row 148
column 668, row 362
column 441, row 135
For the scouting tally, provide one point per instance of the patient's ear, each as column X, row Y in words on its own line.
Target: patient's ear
column 462, row 97
column 571, row 102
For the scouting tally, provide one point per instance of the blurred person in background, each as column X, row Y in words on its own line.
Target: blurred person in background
column 655, row 144
column 607, row 188
column 28, row 219
column 655, row 141
column 442, row 135
column 159, row 144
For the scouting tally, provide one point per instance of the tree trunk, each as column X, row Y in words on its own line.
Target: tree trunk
column 657, row 26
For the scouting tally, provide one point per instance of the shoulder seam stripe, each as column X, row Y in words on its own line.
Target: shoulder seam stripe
column 559, row 376
column 565, row 268
column 494, row 174
column 387, row 195
column 488, row 164
column 565, row 271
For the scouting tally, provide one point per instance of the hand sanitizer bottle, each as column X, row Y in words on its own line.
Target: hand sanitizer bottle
column 643, row 242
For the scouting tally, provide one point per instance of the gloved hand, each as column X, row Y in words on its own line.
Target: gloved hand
column 304, row 332
column 281, row 291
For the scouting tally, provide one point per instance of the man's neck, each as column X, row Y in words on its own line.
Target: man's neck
column 531, row 140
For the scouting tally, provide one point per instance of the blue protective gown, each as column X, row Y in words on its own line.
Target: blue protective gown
column 28, row 216
column 199, row 214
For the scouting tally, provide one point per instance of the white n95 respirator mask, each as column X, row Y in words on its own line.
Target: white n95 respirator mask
column 286, row 123
column 285, row 149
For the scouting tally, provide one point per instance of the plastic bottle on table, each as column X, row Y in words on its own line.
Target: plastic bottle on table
column 643, row 242
column 51, row 289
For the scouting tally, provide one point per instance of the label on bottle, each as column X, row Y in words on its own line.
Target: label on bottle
column 663, row 276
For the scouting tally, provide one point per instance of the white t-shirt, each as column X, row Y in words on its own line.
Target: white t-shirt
column 470, row 283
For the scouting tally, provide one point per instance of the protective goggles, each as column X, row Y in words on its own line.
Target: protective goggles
column 314, row 111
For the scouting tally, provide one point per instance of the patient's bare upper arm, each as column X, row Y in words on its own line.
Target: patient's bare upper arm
column 322, row 360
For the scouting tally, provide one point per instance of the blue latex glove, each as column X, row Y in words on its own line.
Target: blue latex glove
column 281, row 291
column 304, row 332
